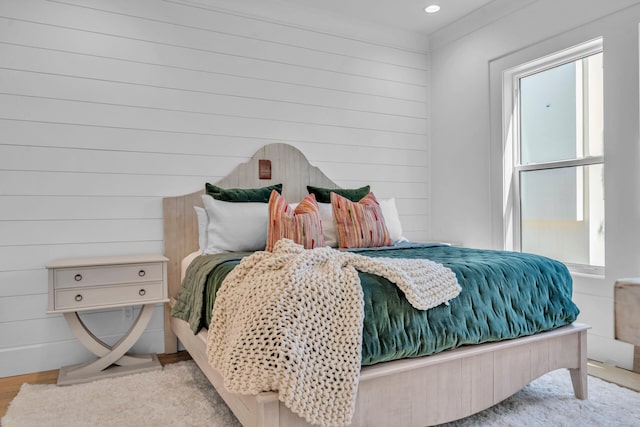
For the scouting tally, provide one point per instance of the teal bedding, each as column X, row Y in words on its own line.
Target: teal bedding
column 504, row 295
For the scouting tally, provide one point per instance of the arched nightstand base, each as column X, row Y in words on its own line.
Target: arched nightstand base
column 112, row 360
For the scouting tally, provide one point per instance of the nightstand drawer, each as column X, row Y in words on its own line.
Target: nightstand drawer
column 107, row 275
column 101, row 296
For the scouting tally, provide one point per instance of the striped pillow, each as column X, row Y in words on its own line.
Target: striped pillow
column 360, row 225
column 302, row 224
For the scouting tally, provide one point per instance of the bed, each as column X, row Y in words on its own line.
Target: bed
column 417, row 391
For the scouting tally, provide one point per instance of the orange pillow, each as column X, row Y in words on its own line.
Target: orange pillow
column 302, row 224
column 361, row 224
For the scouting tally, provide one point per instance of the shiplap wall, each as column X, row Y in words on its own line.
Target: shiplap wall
column 107, row 106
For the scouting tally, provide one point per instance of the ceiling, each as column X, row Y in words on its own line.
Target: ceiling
column 408, row 15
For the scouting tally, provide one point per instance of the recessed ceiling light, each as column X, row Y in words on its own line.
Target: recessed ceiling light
column 432, row 8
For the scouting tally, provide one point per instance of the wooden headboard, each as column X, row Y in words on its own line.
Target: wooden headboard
column 288, row 166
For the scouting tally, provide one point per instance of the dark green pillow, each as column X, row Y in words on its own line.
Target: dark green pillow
column 240, row 195
column 323, row 195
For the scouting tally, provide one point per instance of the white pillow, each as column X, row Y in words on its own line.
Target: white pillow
column 329, row 228
column 235, row 227
column 203, row 222
column 392, row 219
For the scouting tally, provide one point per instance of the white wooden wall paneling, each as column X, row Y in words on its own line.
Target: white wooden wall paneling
column 106, row 106
column 237, row 149
column 153, row 77
column 20, row 333
column 18, row 308
column 387, row 189
column 95, row 21
column 23, row 282
column 76, row 135
column 115, row 164
column 227, row 22
column 45, row 232
column 131, row 73
column 122, row 115
column 110, row 162
column 81, row 137
column 110, row 325
column 79, row 207
column 324, row 153
column 42, row 35
column 91, row 113
column 213, row 105
column 15, row 182
column 412, row 223
column 294, row 15
column 412, row 206
column 392, row 173
column 14, row 311
column 50, row 355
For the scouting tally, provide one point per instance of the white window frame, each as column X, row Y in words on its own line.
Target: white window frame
column 511, row 155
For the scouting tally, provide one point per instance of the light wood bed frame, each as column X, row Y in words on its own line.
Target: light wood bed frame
column 409, row 392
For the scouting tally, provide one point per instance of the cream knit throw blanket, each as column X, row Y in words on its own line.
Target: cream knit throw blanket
column 291, row 320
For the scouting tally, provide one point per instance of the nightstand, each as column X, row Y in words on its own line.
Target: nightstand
column 84, row 284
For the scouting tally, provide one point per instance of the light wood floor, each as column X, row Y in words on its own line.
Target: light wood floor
column 10, row 386
column 622, row 377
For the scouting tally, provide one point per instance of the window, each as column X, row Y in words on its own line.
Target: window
column 557, row 181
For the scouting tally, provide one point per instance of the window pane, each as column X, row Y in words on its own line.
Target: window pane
column 562, row 214
column 561, row 112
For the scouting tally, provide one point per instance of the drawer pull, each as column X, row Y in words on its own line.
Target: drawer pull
column 78, row 277
column 142, row 292
column 141, row 273
column 78, row 297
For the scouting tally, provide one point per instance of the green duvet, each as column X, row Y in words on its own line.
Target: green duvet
column 504, row 295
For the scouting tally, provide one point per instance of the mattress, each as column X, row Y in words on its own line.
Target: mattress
column 504, row 295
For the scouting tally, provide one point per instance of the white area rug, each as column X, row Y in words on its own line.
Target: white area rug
column 181, row 396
